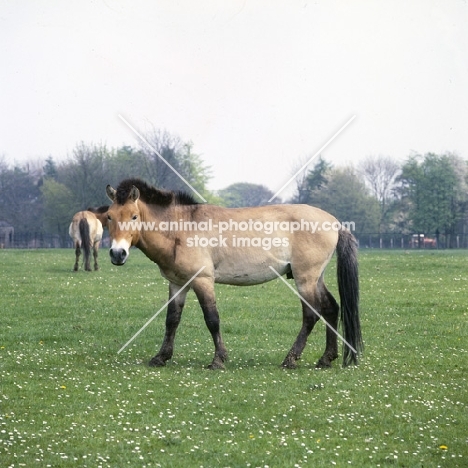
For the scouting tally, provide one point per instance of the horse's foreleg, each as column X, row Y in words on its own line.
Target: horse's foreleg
column 330, row 309
column 95, row 255
column 77, row 256
column 174, row 313
column 204, row 289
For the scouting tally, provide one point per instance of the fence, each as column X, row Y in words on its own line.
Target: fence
column 412, row 241
column 35, row 240
column 39, row 240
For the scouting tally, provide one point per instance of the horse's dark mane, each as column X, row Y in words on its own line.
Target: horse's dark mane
column 100, row 209
column 151, row 195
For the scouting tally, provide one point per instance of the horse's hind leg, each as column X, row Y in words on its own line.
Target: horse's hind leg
column 309, row 319
column 95, row 255
column 77, row 256
column 174, row 313
column 329, row 310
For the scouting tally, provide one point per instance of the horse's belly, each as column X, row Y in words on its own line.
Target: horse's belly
column 249, row 274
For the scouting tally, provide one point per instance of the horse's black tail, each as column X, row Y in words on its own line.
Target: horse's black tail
column 348, row 286
column 85, row 241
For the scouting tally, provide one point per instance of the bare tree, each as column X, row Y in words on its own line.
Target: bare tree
column 169, row 147
column 380, row 173
column 85, row 174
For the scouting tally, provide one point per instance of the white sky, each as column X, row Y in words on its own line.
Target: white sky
column 257, row 86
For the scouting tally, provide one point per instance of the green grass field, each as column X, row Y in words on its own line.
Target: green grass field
column 68, row 399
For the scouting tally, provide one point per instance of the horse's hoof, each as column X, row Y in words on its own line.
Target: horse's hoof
column 215, row 367
column 323, row 365
column 217, row 364
column 289, row 365
column 157, row 362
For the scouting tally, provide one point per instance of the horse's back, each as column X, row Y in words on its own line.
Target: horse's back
column 95, row 226
column 258, row 240
column 301, row 224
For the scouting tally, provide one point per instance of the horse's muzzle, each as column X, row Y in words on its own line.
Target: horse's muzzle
column 118, row 256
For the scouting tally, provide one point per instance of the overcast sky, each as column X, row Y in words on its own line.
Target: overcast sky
column 257, row 86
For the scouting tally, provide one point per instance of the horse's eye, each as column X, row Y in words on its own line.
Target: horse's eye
column 109, row 218
column 134, row 217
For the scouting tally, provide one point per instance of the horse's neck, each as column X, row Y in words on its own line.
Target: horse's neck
column 102, row 217
column 158, row 213
column 158, row 216
column 158, row 244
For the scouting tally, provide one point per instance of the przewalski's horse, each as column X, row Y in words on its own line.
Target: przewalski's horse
column 238, row 246
column 86, row 231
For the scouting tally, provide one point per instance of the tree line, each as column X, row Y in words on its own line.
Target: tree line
column 426, row 194
column 42, row 198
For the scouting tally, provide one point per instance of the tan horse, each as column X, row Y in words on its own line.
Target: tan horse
column 241, row 246
column 86, row 231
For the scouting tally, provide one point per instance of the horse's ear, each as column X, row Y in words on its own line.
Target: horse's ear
column 134, row 194
column 110, row 192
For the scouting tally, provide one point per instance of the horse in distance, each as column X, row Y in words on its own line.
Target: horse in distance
column 86, row 229
column 198, row 245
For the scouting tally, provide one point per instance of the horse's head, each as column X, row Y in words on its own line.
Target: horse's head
column 100, row 213
column 123, row 218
